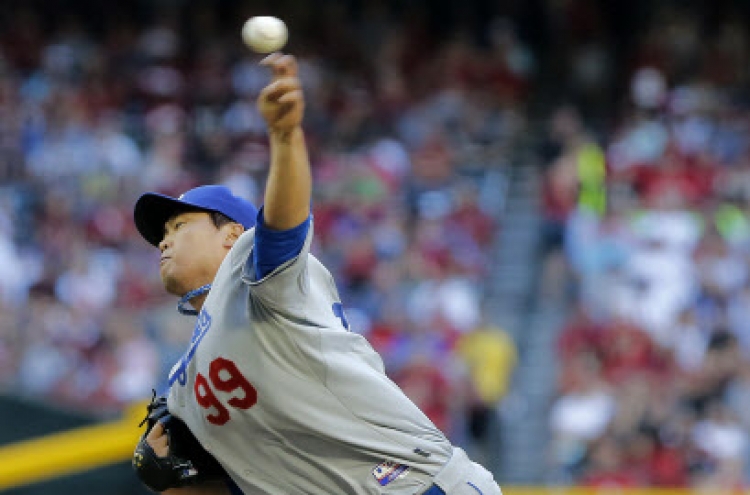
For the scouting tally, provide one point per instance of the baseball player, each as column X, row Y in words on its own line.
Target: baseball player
column 274, row 384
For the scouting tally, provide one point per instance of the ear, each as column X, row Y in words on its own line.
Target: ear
column 233, row 231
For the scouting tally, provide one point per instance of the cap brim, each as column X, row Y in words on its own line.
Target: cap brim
column 152, row 211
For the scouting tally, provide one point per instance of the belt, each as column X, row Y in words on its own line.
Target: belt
column 434, row 490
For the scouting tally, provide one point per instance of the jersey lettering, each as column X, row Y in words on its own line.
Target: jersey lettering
column 234, row 381
column 202, row 325
column 206, row 398
column 225, row 377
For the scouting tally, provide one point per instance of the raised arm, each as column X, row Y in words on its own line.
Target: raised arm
column 289, row 186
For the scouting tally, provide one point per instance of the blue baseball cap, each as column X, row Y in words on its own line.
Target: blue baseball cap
column 152, row 210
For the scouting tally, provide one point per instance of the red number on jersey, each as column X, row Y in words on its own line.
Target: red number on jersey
column 233, row 381
column 207, row 399
column 225, row 377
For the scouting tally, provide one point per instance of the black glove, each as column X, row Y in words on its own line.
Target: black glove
column 187, row 463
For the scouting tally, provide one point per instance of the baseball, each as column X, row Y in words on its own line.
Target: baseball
column 264, row 34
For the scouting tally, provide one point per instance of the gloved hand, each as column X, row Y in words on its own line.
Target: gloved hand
column 186, row 463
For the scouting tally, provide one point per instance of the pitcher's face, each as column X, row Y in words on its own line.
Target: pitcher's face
column 191, row 252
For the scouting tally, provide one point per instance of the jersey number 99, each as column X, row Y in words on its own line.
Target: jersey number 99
column 223, row 376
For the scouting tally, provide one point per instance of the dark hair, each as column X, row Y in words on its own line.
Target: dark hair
column 219, row 219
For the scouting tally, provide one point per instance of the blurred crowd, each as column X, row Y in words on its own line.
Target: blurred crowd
column 647, row 241
column 412, row 121
column 409, row 137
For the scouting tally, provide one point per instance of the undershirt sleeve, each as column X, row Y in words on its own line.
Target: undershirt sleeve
column 273, row 248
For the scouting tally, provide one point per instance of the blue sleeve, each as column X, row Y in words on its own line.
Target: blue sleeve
column 273, row 248
column 233, row 488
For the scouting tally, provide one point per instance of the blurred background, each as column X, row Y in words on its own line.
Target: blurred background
column 537, row 211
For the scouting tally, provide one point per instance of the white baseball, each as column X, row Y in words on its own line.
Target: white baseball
column 264, row 34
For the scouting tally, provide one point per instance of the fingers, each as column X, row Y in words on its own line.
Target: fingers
column 291, row 96
column 280, row 87
column 156, row 431
column 281, row 65
column 269, row 59
column 282, row 102
column 158, row 440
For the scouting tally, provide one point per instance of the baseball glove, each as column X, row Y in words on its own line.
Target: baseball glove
column 187, row 463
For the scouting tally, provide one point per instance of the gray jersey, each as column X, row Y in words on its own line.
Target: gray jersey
column 289, row 400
